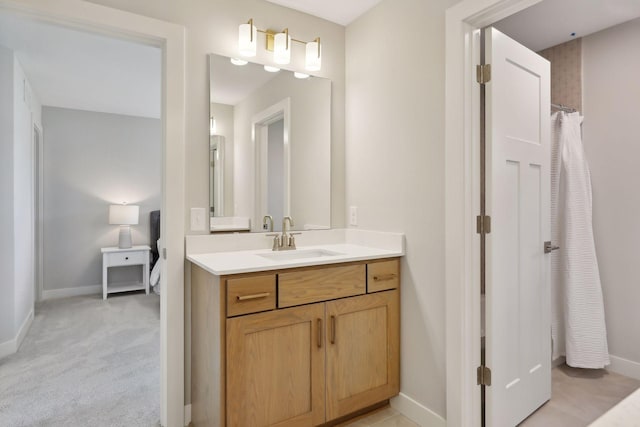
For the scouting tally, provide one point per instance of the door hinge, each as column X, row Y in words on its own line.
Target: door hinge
column 483, row 224
column 484, row 375
column 164, row 253
column 483, row 73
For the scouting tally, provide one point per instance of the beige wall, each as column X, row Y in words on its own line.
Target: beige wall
column 395, row 167
column 612, row 141
column 212, row 27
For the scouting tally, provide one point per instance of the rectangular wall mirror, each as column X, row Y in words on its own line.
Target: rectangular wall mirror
column 269, row 148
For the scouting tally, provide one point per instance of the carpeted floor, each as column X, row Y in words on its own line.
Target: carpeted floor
column 86, row 362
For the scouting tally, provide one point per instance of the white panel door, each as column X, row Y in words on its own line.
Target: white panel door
column 518, row 331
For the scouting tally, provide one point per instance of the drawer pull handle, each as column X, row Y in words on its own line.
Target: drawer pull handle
column 252, row 297
column 333, row 329
column 384, row 277
column 319, row 333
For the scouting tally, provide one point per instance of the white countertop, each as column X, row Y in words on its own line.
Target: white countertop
column 234, row 254
column 223, row 263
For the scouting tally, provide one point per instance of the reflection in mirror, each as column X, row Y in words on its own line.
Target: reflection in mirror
column 216, row 175
column 270, row 149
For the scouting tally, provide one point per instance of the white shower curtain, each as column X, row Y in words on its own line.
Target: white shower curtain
column 578, row 325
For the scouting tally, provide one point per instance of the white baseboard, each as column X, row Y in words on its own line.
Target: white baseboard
column 417, row 412
column 71, row 292
column 187, row 414
column 10, row 347
column 26, row 325
column 625, row 367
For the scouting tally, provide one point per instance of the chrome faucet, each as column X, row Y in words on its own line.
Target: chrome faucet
column 284, row 225
column 264, row 222
column 284, row 241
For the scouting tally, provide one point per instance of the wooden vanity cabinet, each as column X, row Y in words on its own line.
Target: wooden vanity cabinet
column 363, row 354
column 275, row 368
column 333, row 353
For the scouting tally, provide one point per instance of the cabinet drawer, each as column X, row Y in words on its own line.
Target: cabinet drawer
column 126, row 258
column 322, row 284
column 251, row 294
column 383, row 275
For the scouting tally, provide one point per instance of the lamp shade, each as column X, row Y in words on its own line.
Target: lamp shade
column 247, row 39
column 313, row 57
column 124, row 214
column 282, row 48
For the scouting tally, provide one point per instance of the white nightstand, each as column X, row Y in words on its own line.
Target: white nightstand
column 116, row 257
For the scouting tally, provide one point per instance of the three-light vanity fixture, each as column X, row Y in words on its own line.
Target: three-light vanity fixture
column 279, row 44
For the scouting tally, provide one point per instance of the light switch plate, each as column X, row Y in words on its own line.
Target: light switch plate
column 198, row 219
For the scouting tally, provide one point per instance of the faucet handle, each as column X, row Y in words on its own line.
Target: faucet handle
column 277, row 243
column 292, row 240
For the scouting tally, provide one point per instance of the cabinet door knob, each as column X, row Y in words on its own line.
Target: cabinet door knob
column 126, row 257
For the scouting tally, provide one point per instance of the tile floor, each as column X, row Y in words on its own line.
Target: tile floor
column 580, row 396
column 384, row 417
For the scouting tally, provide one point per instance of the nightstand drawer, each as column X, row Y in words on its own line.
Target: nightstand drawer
column 126, row 258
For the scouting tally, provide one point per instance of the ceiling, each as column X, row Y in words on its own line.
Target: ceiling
column 79, row 70
column 341, row 12
column 551, row 22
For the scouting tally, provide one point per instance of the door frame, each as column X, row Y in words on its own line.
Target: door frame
column 170, row 38
column 38, row 208
column 260, row 122
column 462, row 203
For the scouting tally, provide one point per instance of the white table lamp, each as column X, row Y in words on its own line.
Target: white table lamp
column 124, row 216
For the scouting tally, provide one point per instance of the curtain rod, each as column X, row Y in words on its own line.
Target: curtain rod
column 564, row 108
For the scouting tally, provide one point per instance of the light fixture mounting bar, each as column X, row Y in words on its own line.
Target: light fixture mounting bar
column 270, row 34
column 278, row 42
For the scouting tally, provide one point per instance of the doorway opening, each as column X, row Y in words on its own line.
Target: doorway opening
column 462, row 204
column 168, row 38
column 271, row 130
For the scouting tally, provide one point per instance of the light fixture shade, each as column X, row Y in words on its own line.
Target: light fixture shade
column 247, row 39
column 282, row 48
column 313, row 60
column 238, row 61
column 124, row 214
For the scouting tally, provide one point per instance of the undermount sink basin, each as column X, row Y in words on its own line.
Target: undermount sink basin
column 299, row 254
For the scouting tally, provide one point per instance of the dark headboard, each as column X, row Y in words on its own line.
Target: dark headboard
column 154, row 233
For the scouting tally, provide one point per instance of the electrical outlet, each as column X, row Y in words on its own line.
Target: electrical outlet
column 265, row 227
column 198, row 219
column 353, row 215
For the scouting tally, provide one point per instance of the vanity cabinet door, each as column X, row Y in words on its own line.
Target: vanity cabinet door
column 363, row 342
column 275, row 368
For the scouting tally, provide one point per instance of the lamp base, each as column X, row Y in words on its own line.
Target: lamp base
column 124, row 238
